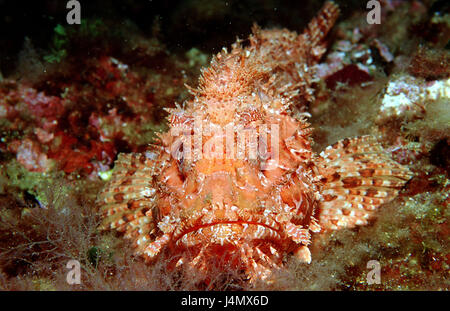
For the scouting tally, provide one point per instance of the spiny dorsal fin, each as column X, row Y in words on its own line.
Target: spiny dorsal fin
column 321, row 25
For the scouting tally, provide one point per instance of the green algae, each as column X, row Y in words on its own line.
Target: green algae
column 35, row 183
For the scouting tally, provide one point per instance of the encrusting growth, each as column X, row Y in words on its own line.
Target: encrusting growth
column 196, row 196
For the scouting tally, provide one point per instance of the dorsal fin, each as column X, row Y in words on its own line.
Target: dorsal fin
column 321, row 25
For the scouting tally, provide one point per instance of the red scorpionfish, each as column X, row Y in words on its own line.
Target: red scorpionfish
column 234, row 178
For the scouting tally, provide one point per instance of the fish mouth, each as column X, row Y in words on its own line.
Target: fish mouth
column 227, row 232
column 250, row 246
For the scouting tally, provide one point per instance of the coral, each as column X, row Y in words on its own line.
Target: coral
column 31, row 157
column 105, row 101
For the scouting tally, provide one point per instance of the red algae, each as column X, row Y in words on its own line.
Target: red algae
column 349, row 75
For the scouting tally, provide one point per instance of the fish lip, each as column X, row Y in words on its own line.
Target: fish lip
column 186, row 230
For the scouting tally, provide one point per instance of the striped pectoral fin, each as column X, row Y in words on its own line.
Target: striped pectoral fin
column 358, row 177
column 126, row 201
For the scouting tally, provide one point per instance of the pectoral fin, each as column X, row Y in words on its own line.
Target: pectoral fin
column 358, row 176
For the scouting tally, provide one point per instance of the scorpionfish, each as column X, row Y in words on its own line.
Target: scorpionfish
column 235, row 178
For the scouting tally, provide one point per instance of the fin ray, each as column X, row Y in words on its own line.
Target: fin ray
column 358, row 177
column 126, row 200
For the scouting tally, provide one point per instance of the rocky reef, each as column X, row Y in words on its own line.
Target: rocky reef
column 75, row 97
